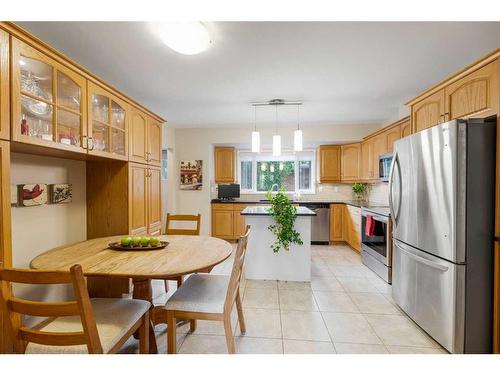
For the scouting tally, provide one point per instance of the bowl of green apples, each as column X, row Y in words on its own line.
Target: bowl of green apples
column 138, row 243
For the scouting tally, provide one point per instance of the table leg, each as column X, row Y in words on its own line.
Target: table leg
column 143, row 290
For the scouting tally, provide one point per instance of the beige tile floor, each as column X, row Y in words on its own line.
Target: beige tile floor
column 345, row 309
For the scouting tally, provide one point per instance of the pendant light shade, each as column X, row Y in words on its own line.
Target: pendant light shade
column 297, row 140
column 255, row 141
column 276, row 145
column 297, row 135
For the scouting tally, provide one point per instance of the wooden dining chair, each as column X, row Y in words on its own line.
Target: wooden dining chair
column 209, row 297
column 185, row 232
column 83, row 325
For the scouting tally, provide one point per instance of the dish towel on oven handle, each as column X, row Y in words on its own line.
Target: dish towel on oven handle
column 369, row 226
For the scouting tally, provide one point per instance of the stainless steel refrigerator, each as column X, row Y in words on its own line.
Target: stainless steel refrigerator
column 442, row 201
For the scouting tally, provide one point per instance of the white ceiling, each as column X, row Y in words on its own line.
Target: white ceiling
column 345, row 72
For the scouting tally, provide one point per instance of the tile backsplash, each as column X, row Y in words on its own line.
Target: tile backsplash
column 377, row 193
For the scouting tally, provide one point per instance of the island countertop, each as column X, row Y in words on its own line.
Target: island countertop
column 265, row 211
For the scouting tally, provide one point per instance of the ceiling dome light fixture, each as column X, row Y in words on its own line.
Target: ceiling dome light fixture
column 188, row 38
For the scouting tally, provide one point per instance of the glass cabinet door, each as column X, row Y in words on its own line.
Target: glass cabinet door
column 47, row 100
column 108, row 115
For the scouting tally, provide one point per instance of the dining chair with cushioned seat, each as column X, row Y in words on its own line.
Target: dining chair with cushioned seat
column 184, row 232
column 82, row 325
column 209, row 297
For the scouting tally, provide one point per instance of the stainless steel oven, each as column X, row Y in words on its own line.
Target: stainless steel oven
column 376, row 242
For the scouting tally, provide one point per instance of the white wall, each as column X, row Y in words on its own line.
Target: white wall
column 40, row 228
column 197, row 144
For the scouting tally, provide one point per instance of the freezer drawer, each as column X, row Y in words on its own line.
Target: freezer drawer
column 432, row 292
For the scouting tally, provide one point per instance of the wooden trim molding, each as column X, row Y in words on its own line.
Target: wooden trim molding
column 385, row 128
column 33, row 41
column 493, row 55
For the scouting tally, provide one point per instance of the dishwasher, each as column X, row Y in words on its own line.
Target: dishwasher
column 320, row 224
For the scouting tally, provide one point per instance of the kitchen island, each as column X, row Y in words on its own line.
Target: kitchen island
column 262, row 263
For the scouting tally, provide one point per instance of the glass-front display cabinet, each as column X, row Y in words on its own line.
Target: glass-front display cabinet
column 108, row 124
column 48, row 101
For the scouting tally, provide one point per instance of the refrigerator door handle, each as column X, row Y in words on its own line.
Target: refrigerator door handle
column 427, row 262
column 395, row 163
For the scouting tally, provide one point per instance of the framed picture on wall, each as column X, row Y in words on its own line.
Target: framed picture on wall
column 32, row 194
column 191, row 175
column 61, row 193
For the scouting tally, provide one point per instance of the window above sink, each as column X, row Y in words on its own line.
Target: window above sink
column 294, row 172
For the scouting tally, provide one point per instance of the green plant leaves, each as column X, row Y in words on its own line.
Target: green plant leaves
column 284, row 214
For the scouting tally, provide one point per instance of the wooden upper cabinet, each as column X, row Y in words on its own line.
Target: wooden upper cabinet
column 336, row 222
column 351, row 162
column 108, row 126
column 154, row 201
column 224, row 165
column 48, row 101
column 473, row 95
column 138, row 195
column 366, row 165
column 138, row 145
column 223, row 221
column 329, row 163
column 391, row 136
column 4, row 86
column 406, row 128
column 428, row 112
column 154, row 142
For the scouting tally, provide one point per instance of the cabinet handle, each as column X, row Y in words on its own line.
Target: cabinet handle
column 84, row 142
column 91, row 143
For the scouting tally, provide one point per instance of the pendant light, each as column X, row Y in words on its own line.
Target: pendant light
column 276, row 137
column 297, row 135
column 255, row 134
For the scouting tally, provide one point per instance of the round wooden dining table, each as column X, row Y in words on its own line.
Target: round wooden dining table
column 182, row 256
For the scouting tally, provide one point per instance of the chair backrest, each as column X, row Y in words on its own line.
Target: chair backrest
column 235, row 278
column 14, row 308
column 189, row 232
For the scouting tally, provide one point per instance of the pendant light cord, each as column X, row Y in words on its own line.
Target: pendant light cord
column 276, row 123
column 255, row 118
column 298, row 117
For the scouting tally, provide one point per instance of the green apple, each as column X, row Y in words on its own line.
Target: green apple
column 154, row 241
column 126, row 241
column 144, row 241
column 136, row 241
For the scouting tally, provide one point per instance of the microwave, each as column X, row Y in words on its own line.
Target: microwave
column 384, row 166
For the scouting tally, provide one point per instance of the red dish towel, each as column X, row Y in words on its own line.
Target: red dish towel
column 369, row 226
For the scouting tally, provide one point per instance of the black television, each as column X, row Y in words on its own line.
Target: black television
column 228, row 192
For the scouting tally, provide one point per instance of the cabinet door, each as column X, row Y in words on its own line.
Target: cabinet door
column 475, row 94
column 379, row 148
column 108, row 124
column 336, row 218
column 329, row 163
column 350, row 162
column 222, row 223
column 154, row 142
column 4, row 86
column 154, row 201
column 391, row 136
column 48, row 101
column 224, row 165
column 428, row 112
column 138, row 136
column 138, row 206
column 405, row 129
column 366, row 166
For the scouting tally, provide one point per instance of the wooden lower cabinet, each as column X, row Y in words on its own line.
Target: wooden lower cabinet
column 352, row 226
column 154, row 201
column 5, row 232
column 336, row 222
column 223, row 221
column 227, row 221
column 138, row 205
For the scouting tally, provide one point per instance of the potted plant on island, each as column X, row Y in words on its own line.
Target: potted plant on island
column 284, row 214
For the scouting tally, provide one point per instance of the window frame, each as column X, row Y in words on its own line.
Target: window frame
column 306, row 155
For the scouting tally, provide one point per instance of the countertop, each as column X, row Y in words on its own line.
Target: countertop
column 355, row 203
column 265, row 210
